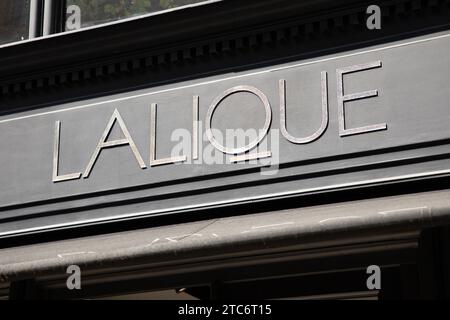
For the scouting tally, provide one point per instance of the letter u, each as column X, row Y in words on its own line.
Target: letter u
column 325, row 118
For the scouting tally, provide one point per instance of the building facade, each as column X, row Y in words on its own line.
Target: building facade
column 270, row 149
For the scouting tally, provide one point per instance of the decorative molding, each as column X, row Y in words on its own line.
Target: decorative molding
column 151, row 60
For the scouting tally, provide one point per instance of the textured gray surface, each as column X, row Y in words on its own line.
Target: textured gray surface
column 298, row 229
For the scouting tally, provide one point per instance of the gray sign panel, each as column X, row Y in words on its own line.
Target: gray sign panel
column 338, row 121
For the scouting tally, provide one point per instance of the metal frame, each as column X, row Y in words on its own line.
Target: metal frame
column 34, row 28
column 46, row 17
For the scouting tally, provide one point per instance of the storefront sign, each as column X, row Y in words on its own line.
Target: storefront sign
column 314, row 125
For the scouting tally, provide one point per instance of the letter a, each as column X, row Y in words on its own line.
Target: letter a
column 374, row 21
column 115, row 143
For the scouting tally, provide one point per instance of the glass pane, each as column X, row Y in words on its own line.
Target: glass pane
column 85, row 13
column 14, row 20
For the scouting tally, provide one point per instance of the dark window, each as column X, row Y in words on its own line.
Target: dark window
column 14, row 20
column 85, row 13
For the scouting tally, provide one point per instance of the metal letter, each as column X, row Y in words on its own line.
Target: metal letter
column 342, row 98
column 195, row 128
column 374, row 281
column 153, row 161
column 263, row 132
column 48, row 18
column 115, row 143
column 325, row 118
column 56, row 177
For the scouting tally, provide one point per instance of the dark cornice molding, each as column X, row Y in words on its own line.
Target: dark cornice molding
column 184, row 35
column 156, row 31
